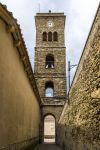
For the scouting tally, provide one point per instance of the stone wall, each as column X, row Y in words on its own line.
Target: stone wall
column 79, row 124
column 19, row 103
column 41, row 21
column 57, row 74
column 59, row 54
column 54, row 110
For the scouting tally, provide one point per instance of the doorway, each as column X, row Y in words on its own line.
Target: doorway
column 49, row 129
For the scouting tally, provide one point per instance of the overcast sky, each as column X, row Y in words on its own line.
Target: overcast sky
column 79, row 17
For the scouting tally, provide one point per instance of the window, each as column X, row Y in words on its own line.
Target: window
column 49, row 36
column 49, row 61
column 49, row 89
column 44, row 36
column 55, row 36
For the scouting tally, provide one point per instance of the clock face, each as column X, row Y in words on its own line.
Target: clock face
column 50, row 24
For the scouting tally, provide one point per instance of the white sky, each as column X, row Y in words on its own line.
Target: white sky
column 79, row 17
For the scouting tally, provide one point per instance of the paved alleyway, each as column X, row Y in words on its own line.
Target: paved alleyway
column 47, row 147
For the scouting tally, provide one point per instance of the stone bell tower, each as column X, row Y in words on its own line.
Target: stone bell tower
column 50, row 62
column 50, row 57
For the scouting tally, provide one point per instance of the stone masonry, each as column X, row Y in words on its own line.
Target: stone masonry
column 57, row 75
column 23, row 99
column 79, row 124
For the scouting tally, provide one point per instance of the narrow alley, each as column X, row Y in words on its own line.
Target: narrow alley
column 38, row 111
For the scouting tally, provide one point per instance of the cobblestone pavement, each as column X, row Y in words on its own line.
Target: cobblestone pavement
column 47, row 147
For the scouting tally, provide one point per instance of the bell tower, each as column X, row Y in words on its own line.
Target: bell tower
column 50, row 64
column 50, row 57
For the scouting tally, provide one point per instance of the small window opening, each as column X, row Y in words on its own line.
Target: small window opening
column 50, row 36
column 44, row 36
column 55, row 36
column 49, row 89
column 49, row 61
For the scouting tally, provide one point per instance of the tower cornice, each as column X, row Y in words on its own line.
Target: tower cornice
column 50, row 47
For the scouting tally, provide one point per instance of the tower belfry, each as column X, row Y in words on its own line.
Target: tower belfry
column 50, row 61
column 50, row 57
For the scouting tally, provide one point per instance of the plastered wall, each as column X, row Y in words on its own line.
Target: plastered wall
column 19, row 108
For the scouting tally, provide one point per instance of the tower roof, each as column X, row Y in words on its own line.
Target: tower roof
column 51, row 14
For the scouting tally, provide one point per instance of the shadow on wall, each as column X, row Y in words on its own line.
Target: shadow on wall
column 72, row 138
column 22, row 145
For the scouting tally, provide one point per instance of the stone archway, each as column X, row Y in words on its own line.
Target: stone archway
column 55, row 111
column 49, row 126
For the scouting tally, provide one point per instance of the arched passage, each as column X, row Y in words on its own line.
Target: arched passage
column 49, row 129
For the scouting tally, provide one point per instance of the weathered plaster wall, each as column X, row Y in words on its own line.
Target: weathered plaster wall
column 19, row 108
column 79, row 124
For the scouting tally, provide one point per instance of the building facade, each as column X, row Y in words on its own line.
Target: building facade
column 19, row 97
column 50, row 57
column 50, row 62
